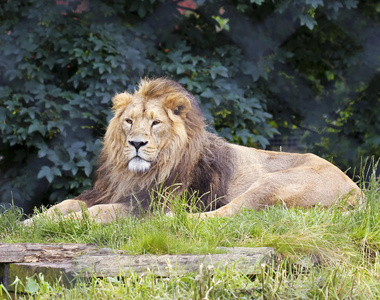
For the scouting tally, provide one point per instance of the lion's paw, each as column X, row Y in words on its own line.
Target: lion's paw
column 170, row 214
column 28, row 222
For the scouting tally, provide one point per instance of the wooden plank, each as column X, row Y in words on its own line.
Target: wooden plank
column 31, row 252
column 85, row 262
column 114, row 264
column 52, row 272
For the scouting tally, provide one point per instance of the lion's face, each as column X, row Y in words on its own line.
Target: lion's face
column 147, row 129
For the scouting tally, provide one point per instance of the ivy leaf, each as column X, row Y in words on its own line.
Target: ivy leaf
column 3, row 114
column 335, row 5
column 227, row 133
column 180, row 69
column 207, row 94
column 249, row 68
column 351, row 3
column 36, row 126
column 261, row 140
column 258, row 2
column 70, row 166
column 308, row 21
column 43, row 151
column 141, row 11
column 87, row 166
column 244, row 134
column 218, row 70
column 5, row 91
column 314, row 3
column 48, row 173
column 222, row 22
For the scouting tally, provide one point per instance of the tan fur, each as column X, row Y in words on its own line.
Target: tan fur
column 162, row 124
column 264, row 178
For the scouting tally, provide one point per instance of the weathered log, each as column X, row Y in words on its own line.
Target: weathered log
column 114, row 264
column 51, row 271
column 27, row 259
column 30, row 252
column 72, row 261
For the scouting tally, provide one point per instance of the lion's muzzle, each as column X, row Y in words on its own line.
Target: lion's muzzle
column 139, row 156
column 138, row 165
column 137, row 144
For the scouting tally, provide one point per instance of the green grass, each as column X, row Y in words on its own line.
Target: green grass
column 346, row 240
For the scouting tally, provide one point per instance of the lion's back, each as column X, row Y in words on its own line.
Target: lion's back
column 254, row 167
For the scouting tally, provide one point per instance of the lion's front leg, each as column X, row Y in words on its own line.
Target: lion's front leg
column 228, row 210
column 102, row 213
column 63, row 208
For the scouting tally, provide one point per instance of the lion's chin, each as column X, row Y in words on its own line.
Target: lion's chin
column 138, row 165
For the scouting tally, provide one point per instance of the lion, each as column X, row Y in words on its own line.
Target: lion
column 157, row 138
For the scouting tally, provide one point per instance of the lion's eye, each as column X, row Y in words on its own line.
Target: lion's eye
column 129, row 121
column 156, row 122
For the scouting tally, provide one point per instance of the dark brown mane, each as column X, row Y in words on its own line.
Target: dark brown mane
column 205, row 166
column 213, row 173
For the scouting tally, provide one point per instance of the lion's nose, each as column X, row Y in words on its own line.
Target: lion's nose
column 137, row 144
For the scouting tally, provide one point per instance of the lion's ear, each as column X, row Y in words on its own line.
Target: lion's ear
column 179, row 104
column 121, row 100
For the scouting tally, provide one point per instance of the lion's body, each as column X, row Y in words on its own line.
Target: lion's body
column 157, row 139
column 264, row 178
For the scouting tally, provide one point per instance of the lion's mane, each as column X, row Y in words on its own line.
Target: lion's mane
column 201, row 162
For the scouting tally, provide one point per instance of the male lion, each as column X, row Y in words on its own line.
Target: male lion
column 157, row 138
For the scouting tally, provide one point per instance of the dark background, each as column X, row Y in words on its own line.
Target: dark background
column 297, row 75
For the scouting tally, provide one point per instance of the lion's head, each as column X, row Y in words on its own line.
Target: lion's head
column 149, row 121
column 156, row 135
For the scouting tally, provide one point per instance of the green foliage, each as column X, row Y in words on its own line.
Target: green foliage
column 257, row 68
